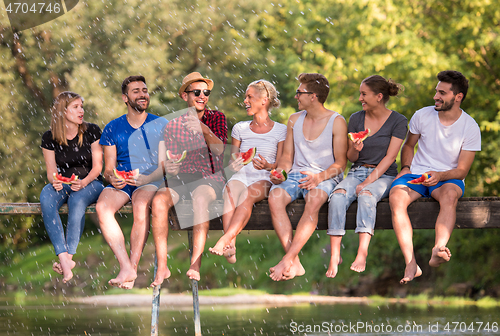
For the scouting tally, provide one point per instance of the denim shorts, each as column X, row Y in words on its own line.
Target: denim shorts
column 129, row 189
column 421, row 189
column 291, row 186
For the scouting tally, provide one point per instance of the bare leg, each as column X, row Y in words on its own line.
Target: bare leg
column 109, row 202
column 161, row 204
column 141, row 203
column 400, row 198
column 202, row 197
column 226, row 244
column 290, row 266
column 447, row 195
column 232, row 194
column 359, row 263
column 335, row 258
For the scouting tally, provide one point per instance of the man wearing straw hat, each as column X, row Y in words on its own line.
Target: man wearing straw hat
column 202, row 133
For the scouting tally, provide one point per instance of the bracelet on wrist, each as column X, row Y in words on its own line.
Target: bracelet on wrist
column 405, row 166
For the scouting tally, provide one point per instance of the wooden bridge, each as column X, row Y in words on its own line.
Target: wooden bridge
column 472, row 213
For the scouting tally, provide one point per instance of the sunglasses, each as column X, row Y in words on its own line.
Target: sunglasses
column 298, row 93
column 198, row 92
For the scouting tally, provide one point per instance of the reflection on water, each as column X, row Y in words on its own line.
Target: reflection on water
column 340, row 319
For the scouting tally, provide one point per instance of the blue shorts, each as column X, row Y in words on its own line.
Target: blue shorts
column 421, row 189
column 129, row 190
column 291, row 186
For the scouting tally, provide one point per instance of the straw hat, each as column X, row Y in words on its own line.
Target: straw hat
column 194, row 77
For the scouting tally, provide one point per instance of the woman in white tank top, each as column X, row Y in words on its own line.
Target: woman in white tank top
column 251, row 182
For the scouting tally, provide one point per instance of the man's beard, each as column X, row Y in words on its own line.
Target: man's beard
column 446, row 106
column 138, row 107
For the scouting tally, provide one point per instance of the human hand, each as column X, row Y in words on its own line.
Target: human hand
column 360, row 187
column 310, row 182
column 78, row 185
column 358, row 145
column 403, row 171
column 275, row 180
column 116, row 182
column 237, row 164
column 192, row 124
column 434, row 178
column 260, row 163
column 57, row 185
column 171, row 167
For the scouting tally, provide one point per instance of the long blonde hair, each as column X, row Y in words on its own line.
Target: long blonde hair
column 58, row 120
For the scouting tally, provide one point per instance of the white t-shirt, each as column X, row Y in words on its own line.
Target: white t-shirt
column 267, row 146
column 439, row 146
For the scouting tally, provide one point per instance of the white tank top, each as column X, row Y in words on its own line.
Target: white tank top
column 313, row 155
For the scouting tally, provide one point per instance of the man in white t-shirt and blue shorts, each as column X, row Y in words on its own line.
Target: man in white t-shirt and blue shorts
column 448, row 139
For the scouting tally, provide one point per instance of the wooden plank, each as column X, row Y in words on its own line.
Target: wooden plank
column 477, row 212
column 472, row 212
column 29, row 209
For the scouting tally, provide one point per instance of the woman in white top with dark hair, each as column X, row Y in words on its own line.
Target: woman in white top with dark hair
column 251, row 183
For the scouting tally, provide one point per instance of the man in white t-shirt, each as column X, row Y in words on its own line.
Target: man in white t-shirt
column 448, row 139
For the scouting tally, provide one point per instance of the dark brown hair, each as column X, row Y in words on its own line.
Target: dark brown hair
column 387, row 88
column 316, row 83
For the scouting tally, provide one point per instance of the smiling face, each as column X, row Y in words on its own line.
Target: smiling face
column 254, row 101
column 304, row 97
column 74, row 112
column 137, row 96
column 445, row 99
column 200, row 102
column 369, row 100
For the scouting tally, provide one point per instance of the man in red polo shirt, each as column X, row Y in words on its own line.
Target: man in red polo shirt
column 202, row 133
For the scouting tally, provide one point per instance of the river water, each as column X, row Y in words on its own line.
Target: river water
column 309, row 319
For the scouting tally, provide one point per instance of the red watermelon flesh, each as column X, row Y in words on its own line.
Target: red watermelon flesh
column 125, row 175
column 63, row 179
column 247, row 156
column 421, row 179
column 280, row 175
column 359, row 135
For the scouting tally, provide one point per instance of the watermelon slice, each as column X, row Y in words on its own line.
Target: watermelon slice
column 421, row 179
column 247, row 156
column 125, row 175
column 65, row 180
column 280, row 175
column 359, row 135
column 176, row 157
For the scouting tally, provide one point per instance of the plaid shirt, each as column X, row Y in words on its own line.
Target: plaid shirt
column 199, row 158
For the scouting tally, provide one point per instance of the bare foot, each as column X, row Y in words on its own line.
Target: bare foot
column 160, row 276
column 230, row 254
column 412, row 271
column 127, row 285
column 57, row 268
column 333, row 268
column 277, row 273
column 123, row 277
column 66, row 264
column 440, row 254
column 193, row 273
column 295, row 270
column 359, row 263
column 219, row 247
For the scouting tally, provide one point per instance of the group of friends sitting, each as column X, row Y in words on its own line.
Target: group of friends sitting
column 154, row 162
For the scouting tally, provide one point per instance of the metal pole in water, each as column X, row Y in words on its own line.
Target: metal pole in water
column 194, row 286
column 155, row 309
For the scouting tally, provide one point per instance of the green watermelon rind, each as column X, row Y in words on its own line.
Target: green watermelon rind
column 170, row 156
